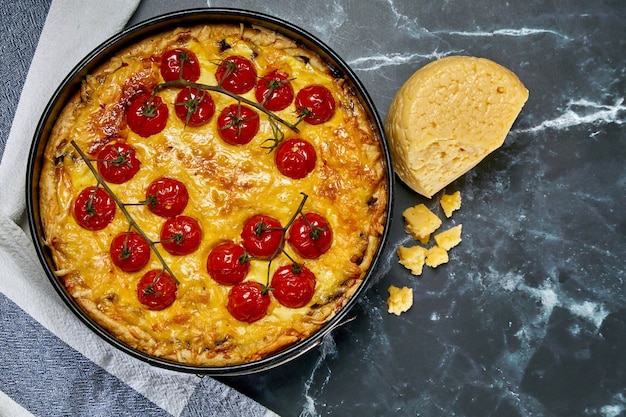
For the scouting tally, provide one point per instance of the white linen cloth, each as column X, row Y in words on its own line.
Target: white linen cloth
column 52, row 364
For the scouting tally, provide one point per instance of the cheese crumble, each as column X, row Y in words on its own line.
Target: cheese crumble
column 400, row 299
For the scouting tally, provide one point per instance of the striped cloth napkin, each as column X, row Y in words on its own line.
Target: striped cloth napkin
column 50, row 363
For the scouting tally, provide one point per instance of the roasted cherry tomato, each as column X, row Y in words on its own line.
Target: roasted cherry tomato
column 166, row 197
column 156, row 289
column 194, row 107
column 262, row 236
column 228, row 264
column 315, row 104
column 237, row 124
column 129, row 251
column 310, row 235
column 181, row 235
column 94, row 208
column 180, row 63
column 293, row 285
column 274, row 91
column 295, row 158
column 117, row 163
column 147, row 115
column 248, row 301
column 236, row 74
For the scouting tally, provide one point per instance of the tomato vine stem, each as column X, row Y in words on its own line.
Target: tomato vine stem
column 221, row 90
column 281, row 246
column 122, row 207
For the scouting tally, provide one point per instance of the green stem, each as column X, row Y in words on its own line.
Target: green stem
column 298, row 211
column 281, row 247
column 218, row 89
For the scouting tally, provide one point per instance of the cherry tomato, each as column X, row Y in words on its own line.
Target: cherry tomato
column 262, row 236
column 117, row 163
column 274, row 91
column 194, row 107
column 310, row 235
column 181, row 235
column 236, row 74
column 156, row 289
column 94, row 208
column 166, row 197
column 129, row 251
column 248, row 301
column 147, row 115
column 228, row 264
column 295, row 158
column 293, row 285
column 180, row 63
column 237, row 124
column 316, row 104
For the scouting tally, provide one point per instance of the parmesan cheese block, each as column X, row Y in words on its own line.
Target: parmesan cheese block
column 448, row 116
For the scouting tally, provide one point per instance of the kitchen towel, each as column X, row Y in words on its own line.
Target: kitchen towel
column 50, row 363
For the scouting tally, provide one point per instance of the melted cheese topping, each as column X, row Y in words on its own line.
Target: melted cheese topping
column 227, row 185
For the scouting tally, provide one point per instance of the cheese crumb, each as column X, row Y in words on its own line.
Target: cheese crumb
column 450, row 203
column 413, row 258
column 400, row 299
column 449, row 238
column 420, row 222
column 436, row 256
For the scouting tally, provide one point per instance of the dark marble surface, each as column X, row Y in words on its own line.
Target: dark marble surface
column 529, row 316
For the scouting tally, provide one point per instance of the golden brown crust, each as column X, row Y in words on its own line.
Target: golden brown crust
column 227, row 184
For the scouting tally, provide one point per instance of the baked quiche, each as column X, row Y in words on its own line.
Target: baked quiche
column 213, row 194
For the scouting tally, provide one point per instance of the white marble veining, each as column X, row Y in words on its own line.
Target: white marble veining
column 583, row 112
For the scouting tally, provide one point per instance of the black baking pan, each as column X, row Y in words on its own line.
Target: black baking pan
column 71, row 84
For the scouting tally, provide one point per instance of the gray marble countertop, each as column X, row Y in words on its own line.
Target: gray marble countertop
column 528, row 318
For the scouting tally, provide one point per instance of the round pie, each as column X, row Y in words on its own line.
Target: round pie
column 213, row 194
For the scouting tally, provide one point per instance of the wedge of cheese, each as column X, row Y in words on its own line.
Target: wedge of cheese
column 448, row 116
